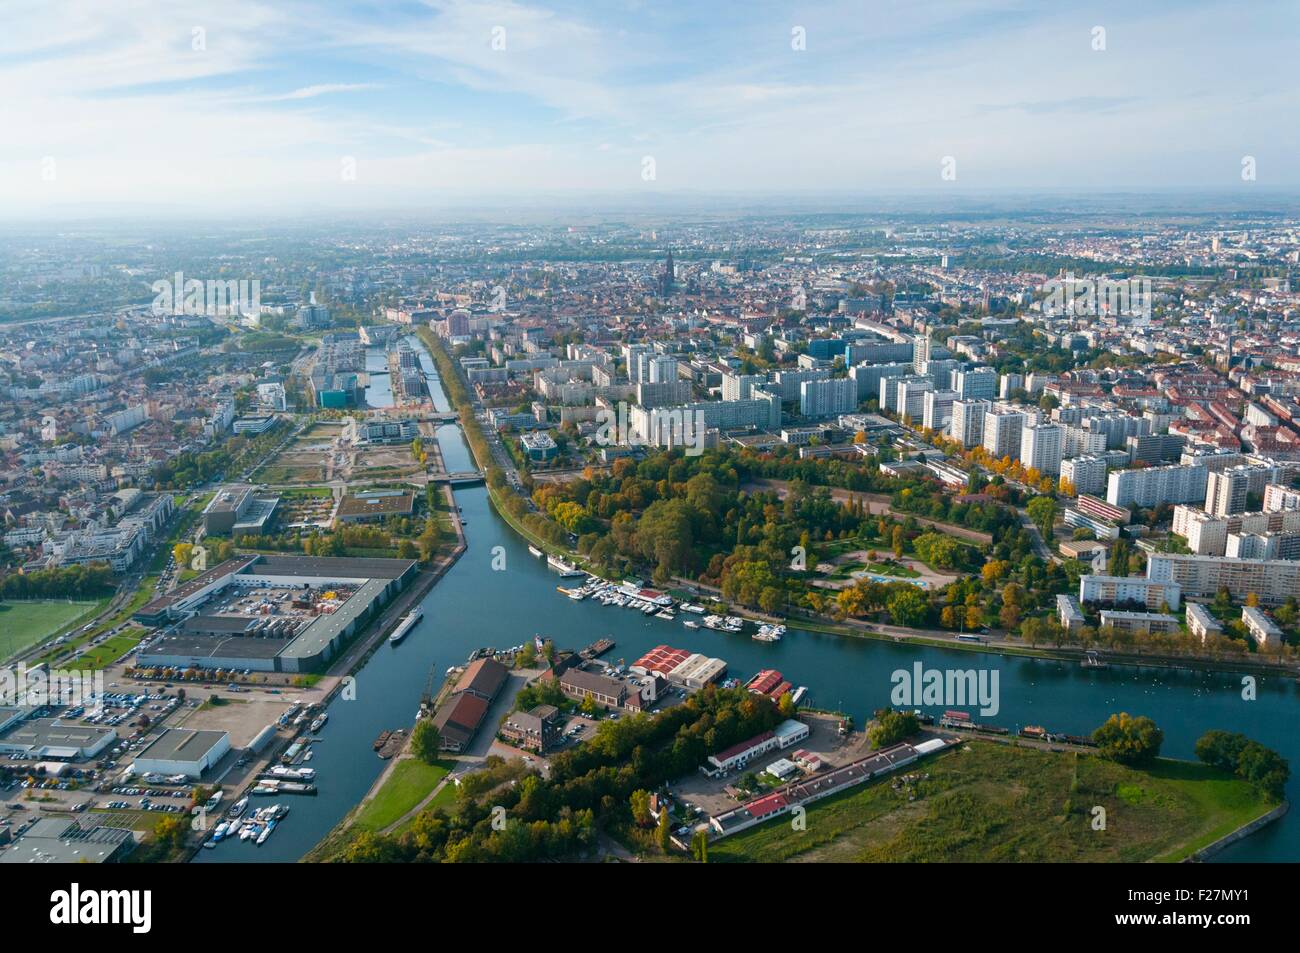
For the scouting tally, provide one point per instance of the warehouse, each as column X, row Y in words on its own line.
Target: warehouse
column 271, row 613
column 48, row 738
column 375, row 506
column 182, row 751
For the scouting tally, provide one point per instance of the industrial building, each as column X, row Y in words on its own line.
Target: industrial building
column 304, row 609
column 182, row 751
column 58, row 840
column 50, row 739
column 235, row 510
column 375, row 505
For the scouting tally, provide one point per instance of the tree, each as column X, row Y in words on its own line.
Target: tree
column 1042, row 511
column 890, row 727
column 1128, row 739
column 786, row 705
column 664, row 833
column 425, row 741
column 1231, row 751
column 908, row 606
column 700, row 846
column 170, row 832
column 640, row 802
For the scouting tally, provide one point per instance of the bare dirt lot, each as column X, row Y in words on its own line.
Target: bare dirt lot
column 243, row 714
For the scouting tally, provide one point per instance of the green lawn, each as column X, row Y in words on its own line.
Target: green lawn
column 143, row 594
column 108, row 652
column 893, row 569
column 995, row 802
column 408, row 785
column 24, row 624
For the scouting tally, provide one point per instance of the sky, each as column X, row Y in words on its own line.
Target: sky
column 149, row 105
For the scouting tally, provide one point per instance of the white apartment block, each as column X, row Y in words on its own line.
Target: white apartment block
column 1227, row 491
column 1077, row 442
column 968, row 421
column 1152, row 486
column 1117, row 590
column 828, row 398
column 1087, row 474
column 1040, row 448
column 1002, row 428
column 976, row 383
column 1272, row 580
column 1278, row 497
column 1207, row 534
column 937, row 409
column 741, row 386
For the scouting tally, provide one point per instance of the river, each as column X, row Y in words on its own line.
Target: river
column 475, row 605
column 379, row 390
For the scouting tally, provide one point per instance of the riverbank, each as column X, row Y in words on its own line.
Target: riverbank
column 988, row 802
column 459, row 397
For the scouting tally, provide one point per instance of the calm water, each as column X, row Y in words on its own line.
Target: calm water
column 379, row 392
column 476, row 606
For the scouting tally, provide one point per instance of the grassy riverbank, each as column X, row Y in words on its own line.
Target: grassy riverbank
column 986, row 801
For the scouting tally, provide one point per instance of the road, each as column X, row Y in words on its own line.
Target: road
column 1036, row 538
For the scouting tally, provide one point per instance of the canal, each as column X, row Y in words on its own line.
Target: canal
column 476, row 605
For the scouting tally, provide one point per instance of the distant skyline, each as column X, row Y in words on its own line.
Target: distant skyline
column 243, row 104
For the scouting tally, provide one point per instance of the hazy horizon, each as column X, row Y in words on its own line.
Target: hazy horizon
column 304, row 105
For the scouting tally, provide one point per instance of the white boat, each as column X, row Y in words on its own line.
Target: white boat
column 408, row 622
column 238, row 807
column 319, row 723
column 536, row 552
column 799, row 693
column 769, row 632
column 563, row 567
column 688, row 607
column 266, row 832
column 690, row 624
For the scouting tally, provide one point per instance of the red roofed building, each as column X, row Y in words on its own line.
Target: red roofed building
column 767, row 806
column 764, row 681
column 458, row 719
column 739, row 755
column 662, row 659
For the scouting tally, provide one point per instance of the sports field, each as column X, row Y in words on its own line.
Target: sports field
column 23, row 624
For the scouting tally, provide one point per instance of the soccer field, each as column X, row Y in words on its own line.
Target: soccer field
column 23, row 624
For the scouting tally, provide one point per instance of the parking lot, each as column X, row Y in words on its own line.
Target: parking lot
column 710, row 795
